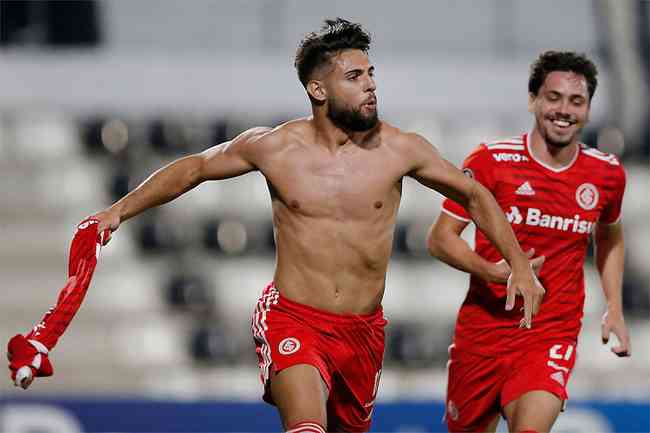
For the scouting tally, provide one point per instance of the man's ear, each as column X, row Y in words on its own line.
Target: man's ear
column 531, row 103
column 317, row 91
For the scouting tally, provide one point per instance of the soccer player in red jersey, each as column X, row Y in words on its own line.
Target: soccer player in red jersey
column 556, row 193
column 335, row 182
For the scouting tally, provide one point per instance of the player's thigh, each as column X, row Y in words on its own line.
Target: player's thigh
column 473, row 387
column 535, row 390
column 534, row 410
column 300, row 394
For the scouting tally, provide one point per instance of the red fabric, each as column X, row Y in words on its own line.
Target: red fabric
column 21, row 353
column 347, row 350
column 479, row 386
column 81, row 266
column 552, row 211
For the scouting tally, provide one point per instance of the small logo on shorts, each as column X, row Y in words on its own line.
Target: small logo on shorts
column 452, row 411
column 558, row 377
column 468, row 172
column 289, row 346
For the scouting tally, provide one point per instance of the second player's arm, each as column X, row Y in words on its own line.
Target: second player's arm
column 222, row 161
column 435, row 172
column 444, row 241
column 610, row 258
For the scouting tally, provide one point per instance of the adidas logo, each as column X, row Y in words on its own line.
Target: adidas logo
column 558, row 377
column 525, row 189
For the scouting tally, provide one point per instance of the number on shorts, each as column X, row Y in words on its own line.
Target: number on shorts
column 556, row 352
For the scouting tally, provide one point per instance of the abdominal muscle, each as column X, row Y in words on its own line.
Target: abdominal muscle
column 332, row 265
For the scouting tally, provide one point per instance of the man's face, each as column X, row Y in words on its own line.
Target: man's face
column 561, row 107
column 351, row 99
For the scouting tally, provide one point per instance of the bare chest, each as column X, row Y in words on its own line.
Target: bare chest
column 352, row 185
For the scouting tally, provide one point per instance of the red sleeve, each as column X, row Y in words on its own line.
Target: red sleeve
column 84, row 251
column 615, row 188
column 477, row 166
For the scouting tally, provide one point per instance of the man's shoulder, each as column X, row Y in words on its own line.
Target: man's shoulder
column 515, row 142
column 501, row 145
column 269, row 138
column 503, row 151
column 599, row 158
column 399, row 139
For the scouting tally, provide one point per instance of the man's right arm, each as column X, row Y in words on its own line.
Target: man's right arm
column 444, row 242
column 226, row 160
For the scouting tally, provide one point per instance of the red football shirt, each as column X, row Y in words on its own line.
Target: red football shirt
column 551, row 210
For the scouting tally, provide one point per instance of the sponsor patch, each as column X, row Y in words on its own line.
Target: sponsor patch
column 509, row 157
column 289, row 346
column 536, row 218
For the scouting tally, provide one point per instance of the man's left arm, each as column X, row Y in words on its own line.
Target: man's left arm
column 433, row 171
column 610, row 258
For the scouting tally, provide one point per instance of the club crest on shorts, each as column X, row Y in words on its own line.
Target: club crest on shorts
column 587, row 196
column 289, row 346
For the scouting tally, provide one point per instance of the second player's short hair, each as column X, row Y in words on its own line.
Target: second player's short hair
column 318, row 48
column 565, row 61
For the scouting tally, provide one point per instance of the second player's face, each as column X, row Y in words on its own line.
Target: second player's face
column 561, row 107
column 351, row 98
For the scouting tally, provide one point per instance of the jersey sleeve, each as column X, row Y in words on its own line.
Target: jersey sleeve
column 477, row 166
column 611, row 213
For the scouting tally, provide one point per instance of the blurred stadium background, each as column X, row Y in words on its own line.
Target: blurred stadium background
column 95, row 95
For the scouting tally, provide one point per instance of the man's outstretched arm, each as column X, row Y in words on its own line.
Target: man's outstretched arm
column 226, row 160
column 435, row 172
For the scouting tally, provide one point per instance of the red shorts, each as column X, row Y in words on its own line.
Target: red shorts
column 347, row 350
column 478, row 387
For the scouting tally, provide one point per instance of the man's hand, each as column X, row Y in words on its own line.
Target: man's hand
column 27, row 359
column 523, row 281
column 616, row 323
column 108, row 219
column 501, row 270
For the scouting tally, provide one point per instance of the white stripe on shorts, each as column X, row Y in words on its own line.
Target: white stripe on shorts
column 307, row 427
column 258, row 326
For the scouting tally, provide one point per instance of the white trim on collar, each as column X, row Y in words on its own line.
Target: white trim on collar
column 543, row 164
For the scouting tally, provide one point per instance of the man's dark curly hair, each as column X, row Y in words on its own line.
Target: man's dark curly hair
column 566, row 61
column 318, row 48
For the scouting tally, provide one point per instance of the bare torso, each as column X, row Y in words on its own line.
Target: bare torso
column 334, row 214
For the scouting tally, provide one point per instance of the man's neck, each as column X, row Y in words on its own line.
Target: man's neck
column 553, row 156
column 331, row 136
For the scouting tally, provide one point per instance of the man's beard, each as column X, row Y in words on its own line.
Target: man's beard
column 350, row 120
column 558, row 144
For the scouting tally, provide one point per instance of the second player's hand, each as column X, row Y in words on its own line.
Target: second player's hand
column 524, row 282
column 615, row 323
column 108, row 219
column 501, row 269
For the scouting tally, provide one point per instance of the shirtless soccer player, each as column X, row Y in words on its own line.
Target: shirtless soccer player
column 335, row 183
column 556, row 193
